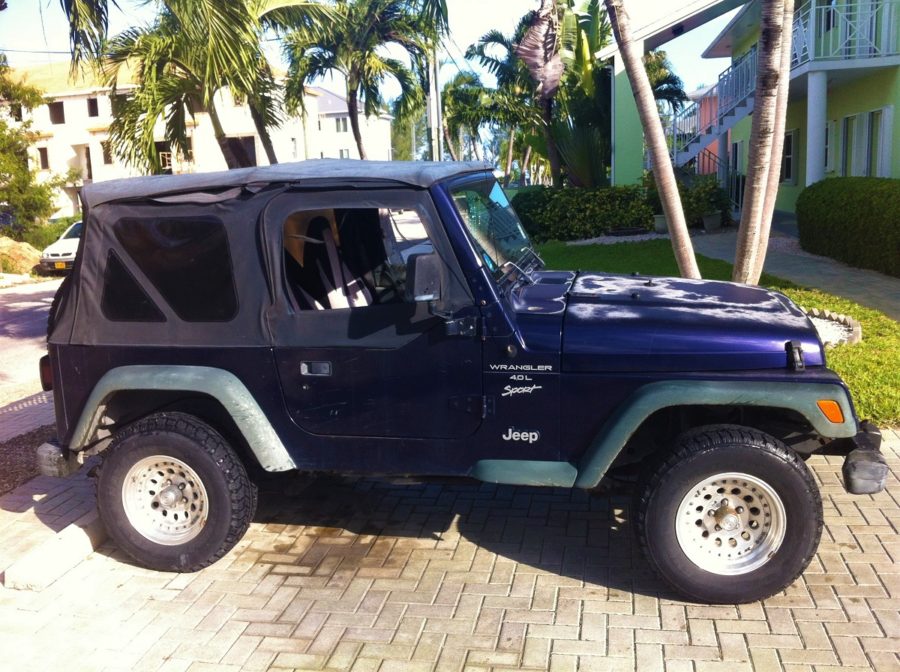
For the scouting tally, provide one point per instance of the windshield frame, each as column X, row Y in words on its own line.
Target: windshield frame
column 504, row 269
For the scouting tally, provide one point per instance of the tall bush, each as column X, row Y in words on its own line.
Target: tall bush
column 574, row 214
column 853, row 219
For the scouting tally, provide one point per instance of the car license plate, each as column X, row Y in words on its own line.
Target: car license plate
column 60, row 264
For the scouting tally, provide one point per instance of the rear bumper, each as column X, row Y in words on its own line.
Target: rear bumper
column 865, row 469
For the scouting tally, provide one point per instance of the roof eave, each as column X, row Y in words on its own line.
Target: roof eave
column 656, row 34
column 718, row 48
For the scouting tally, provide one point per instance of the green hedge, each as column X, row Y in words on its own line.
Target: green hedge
column 853, row 219
column 575, row 214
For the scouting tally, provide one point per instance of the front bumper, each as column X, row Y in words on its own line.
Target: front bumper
column 865, row 469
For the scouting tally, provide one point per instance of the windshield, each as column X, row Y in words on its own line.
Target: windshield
column 73, row 231
column 499, row 237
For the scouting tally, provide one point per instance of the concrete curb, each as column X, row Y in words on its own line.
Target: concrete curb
column 50, row 560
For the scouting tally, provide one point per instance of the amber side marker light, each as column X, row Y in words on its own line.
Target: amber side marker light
column 831, row 410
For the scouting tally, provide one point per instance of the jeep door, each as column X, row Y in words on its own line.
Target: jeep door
column 356, row 357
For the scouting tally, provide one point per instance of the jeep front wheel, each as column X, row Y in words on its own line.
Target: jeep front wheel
column 733, row 515
column 173, row 494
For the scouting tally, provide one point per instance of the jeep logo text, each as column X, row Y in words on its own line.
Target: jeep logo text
column 515, row 435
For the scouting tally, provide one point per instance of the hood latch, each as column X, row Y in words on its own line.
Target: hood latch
column 794, row 351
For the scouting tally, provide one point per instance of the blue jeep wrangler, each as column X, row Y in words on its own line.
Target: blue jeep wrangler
column 393, row 318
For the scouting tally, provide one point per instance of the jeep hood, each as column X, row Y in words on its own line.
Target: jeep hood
column 633, row 323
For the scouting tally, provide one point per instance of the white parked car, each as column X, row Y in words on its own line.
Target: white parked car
column 60, row 255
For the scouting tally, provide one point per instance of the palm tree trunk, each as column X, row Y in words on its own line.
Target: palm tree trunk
column 762, row 138
column 655, row 138
column 234, row 154
column 453, row 155
column 774, row 180
column 264, row 137
column 353, row 111
column 474, row 145
column 526, row 161
column 552, row 149
column 510, row 147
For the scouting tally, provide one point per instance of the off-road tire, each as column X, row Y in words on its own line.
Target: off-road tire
column 704, row 453
column 231, row 497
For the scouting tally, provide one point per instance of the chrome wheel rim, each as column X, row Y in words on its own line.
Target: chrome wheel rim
column 165, row 500
column 730, row 523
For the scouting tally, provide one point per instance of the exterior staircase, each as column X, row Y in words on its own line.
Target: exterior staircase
column 725, row 104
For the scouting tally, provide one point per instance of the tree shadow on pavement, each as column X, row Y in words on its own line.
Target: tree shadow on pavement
column 577, row 534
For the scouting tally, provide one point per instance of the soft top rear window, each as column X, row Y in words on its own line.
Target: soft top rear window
column 188, row 261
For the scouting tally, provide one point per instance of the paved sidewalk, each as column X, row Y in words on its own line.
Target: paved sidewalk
column 866, row 287
column 364, row 574
column 26, row 414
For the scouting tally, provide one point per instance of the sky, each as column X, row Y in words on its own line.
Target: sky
column 30, row 27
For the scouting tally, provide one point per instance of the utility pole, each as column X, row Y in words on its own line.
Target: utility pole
column 435, row 122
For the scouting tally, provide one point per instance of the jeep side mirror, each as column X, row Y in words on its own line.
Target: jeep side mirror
column 423, row 278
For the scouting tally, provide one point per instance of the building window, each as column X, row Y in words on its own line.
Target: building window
column 345, row 153
column 320, row 124
column 789, row 158
column 44, row 158
column 107, row 152
column 848, row 129
column 341, row 123
column 93, row 107
column 873, row 146
column 57, row 112
column 829, row 146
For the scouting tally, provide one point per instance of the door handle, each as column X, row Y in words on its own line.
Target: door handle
column 315, row 368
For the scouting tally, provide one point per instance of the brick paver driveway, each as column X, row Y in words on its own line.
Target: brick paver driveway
column 344, row 574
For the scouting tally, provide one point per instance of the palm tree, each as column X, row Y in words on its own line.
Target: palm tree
column 773, row 68
column 464, row 98
column 774, row 178
column 667, row 86
column 175, row 81
column 228, row 34
column 511, row 104
column 655, row 138
column 539, row 50
column 350, row 41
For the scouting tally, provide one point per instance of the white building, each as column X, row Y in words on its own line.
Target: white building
column 73, row 131
column 333, row 137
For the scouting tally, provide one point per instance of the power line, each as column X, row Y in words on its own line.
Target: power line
column 33, row 51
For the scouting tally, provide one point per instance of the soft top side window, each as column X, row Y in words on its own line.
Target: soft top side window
column 188, row 261
column 342, row 258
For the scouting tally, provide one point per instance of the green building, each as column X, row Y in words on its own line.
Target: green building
column 845, row 85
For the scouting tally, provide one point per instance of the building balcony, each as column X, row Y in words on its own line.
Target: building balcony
column 846, row 31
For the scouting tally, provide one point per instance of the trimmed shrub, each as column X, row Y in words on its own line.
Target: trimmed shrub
column 575, row 214
column 853, row 219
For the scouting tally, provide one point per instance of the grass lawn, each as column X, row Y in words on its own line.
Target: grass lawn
column 871, row 368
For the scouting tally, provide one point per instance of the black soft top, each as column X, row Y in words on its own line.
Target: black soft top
column 339, row 171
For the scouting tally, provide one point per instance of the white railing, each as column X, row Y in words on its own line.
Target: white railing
column 736, row 83
column 846, row 30
column 734, row 86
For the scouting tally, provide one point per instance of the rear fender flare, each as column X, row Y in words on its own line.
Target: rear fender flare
column 219, row 384
column 799, row 397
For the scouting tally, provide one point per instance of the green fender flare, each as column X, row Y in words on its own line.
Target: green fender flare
column 799, row 397
column 217, row 383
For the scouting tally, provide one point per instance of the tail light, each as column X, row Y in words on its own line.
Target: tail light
column 46, row 373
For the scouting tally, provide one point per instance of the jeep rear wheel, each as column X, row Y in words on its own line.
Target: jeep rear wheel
column 732, row 515
column 173, row 494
